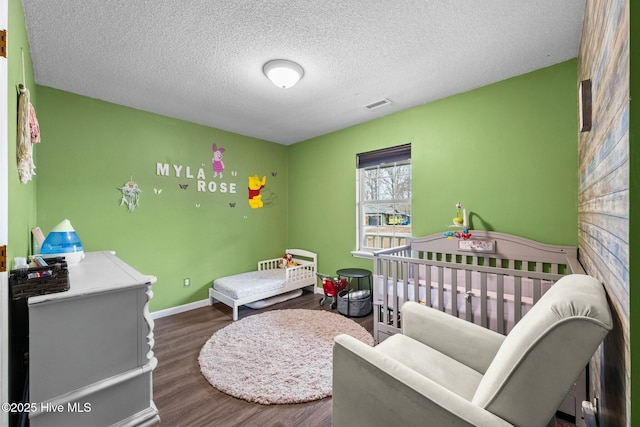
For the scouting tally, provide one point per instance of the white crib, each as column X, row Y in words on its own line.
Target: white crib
column 492, row 279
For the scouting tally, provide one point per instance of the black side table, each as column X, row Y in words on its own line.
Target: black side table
column 359, row 274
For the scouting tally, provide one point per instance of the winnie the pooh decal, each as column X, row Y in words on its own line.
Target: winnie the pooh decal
column 255, row 185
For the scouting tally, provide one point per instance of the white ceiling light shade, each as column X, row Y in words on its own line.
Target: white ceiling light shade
column 283, row 73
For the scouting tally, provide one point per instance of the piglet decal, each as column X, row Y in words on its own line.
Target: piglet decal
column 218, row 165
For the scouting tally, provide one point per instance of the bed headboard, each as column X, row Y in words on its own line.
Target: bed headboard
column 493, row 248
column 303, row 255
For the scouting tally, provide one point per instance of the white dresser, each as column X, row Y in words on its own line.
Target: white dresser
column 90, row 348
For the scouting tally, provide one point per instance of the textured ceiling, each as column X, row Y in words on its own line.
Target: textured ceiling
column 201, row 60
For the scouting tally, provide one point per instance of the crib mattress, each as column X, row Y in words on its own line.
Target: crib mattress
column 459, row 299
column 447, row 301
column 251, row 283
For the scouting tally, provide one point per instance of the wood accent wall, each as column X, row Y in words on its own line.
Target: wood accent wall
column 603, row 194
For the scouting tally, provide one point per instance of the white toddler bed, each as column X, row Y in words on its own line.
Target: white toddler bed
column 267, row 281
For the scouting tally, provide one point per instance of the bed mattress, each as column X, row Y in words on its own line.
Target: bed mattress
column 251, row 283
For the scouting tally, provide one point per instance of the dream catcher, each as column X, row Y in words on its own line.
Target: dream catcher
column 130, row 194
column 28, row 134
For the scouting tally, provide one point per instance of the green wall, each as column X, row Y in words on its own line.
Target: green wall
column 93, row 148
column 22, row 197
column 508, row 151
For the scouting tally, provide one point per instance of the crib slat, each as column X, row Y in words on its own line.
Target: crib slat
column 427, row 292
column 469, row 298
column 517, row 299
column 500, row 304
column 441, row 306
column 385, row 292
column 405, row 282
column 454, row 291
column 389, row 298
column 416, row 281
column 483, row 299
column 396, row 308
column 389, row 294
column 537, row 290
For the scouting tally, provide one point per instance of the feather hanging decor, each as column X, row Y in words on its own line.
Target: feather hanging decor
column 26, row 167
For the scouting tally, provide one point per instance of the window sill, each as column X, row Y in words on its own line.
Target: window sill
column 362, row 254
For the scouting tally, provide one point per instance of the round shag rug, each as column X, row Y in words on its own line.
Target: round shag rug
column 277, row 357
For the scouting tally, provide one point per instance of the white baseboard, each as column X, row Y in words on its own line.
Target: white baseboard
column 180, row 308
column 199, row 304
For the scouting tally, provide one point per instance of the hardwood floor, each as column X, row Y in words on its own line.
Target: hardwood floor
column 185, row 398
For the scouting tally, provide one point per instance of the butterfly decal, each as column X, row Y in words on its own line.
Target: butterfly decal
column 197, row 205
column 234, row 173
column 232, row 204
column 157, row 190
column 184, row 186
column 274, row 173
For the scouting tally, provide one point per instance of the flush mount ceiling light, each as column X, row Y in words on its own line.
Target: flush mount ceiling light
column 283, row 73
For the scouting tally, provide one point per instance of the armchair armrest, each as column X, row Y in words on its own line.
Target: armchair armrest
column 370, row 388
column 463, row 341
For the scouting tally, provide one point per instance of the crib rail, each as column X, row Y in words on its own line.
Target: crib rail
column 491, row 289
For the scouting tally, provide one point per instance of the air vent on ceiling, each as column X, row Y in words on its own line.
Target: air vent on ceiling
column 377, row 104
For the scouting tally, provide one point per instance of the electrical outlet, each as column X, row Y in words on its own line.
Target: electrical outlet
column 187, row 282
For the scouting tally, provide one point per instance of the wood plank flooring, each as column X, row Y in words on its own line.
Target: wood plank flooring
column 185, row 398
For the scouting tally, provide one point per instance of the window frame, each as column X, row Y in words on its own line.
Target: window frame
column 391, row 157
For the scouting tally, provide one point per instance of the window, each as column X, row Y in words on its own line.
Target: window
column 384, row 198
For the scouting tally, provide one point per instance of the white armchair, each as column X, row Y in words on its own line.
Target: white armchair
column 443, row 371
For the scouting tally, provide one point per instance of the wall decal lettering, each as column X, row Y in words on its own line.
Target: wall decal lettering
column 203, row 186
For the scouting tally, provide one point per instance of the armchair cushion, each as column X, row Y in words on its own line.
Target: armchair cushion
column 371, row 389
column 432, row 364
column 463, row 341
